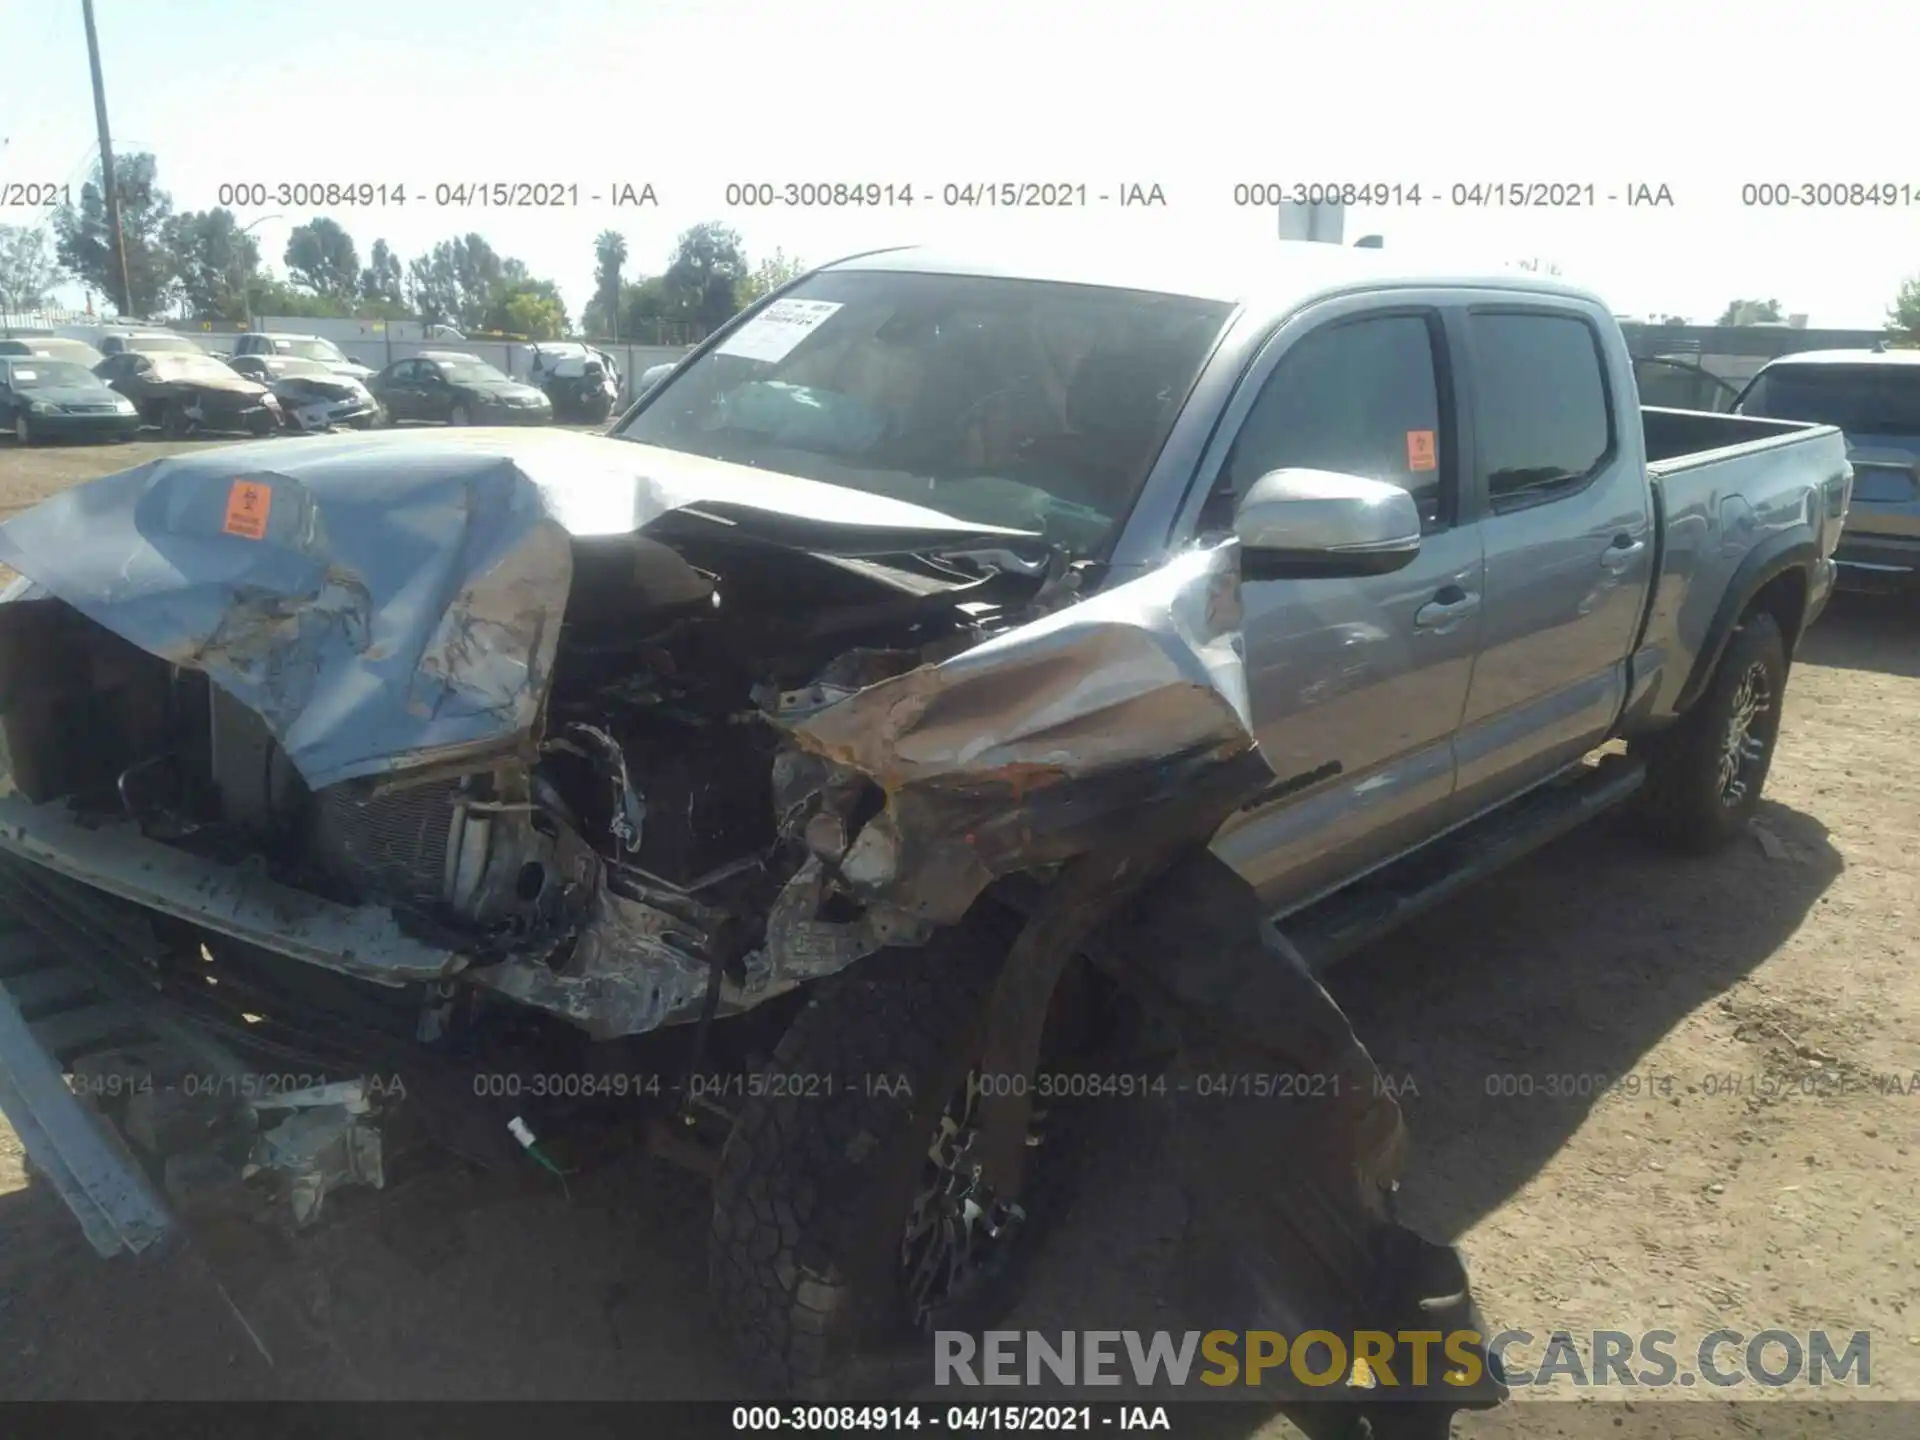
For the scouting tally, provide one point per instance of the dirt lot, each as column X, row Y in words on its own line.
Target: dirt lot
column 1752, row 1167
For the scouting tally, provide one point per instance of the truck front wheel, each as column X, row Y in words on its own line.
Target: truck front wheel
column 1704, row 774
column 846, row 1221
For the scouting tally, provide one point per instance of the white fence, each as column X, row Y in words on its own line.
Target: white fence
column 381, row 350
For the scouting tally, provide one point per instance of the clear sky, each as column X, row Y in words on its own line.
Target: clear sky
column 1194, row 96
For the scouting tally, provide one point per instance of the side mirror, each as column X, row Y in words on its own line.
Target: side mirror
column 1318, row 524
column 652, row 376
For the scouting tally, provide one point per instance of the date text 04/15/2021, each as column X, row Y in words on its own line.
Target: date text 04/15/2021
column 955, row 1419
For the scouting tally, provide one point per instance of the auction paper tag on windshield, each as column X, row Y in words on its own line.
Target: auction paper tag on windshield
column 775, row 331
column 248, row 504
column 1421, row 454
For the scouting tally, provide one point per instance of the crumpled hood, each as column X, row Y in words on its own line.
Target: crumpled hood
column 393, row 599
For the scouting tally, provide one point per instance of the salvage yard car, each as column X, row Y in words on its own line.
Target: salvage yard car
column 847, row 711
column 58, row 400
column 51, row 347
column 313, row 397
column 302, row 347
column 183, row 393
column 149, row 342
column 1874, row 397
column 457, row 389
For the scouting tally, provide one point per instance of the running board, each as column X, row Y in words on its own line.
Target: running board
column 1332, row 928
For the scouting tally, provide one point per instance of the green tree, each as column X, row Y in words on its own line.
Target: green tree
column 273, row 296
column 384, row 280
column 85, row 239
column 1903, row 316
column 523, row 306
column 603, row 311
column 453, row 282
column 769, row 275
column 704, row 274
column 1750, row 312
column 320, row 256
column 211, row 261
column 27, row 268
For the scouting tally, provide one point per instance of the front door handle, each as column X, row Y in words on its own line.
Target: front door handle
column 1618, row 556
column 1441, row 613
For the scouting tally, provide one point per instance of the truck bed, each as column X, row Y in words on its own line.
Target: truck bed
column 1681, row 439
column 1729, row 490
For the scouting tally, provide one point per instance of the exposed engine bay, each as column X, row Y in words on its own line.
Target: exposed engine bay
column 643, row 820
column 622, row 735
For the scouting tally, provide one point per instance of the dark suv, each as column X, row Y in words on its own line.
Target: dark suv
column 1873, row 396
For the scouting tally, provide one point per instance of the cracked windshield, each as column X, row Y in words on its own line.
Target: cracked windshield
column 1024, row 404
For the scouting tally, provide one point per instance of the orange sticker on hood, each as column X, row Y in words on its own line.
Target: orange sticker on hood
column 248, row 504
column 1421, row 453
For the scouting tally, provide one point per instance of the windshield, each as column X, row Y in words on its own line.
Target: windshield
column 50, row 375
column 163, row 345
column 311, row 350
column 472, row 372
column 1859, row 399
column 280, row 365
column 1028, row 404
column 191, row 366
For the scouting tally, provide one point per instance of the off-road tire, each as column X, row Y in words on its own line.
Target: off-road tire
column 814, row 1190
column 1681, row 805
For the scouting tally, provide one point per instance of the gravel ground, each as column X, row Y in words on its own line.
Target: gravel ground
column 1747, row 1162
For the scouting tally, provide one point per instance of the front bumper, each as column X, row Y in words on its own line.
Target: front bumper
column 321, row 414
column 137, row 1109
column 85, row 427
column 83, row 1158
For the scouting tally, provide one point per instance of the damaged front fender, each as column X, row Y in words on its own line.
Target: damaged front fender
column 1125, row 712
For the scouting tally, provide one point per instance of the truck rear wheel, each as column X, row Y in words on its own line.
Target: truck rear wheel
column 1704, row 774
column 845, row 1222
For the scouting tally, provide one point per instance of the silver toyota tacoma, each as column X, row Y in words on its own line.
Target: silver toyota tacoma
column 955, row 674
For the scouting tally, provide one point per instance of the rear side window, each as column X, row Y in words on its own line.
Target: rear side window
column 1543, row 423
column 1860, row 399
column 1360, row 397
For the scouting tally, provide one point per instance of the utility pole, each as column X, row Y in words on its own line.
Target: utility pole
column 106, row 166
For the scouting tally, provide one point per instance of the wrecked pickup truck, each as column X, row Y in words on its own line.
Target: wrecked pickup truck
column 950, row 660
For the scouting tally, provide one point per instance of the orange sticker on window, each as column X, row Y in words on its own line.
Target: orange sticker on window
column 1421, row 454
column 248, row 505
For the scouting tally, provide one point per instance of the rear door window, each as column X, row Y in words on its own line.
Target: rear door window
column 1543, row 420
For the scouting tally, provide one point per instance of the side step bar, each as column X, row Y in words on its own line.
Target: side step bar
column 1328, row 930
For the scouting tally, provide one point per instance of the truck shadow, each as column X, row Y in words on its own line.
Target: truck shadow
column 1867, row 632
column 1509, row 1014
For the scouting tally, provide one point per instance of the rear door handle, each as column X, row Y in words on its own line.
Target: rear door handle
column 1438, row 614
column 1617, row 556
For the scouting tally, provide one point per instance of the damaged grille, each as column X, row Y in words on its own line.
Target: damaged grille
column 391, row 846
